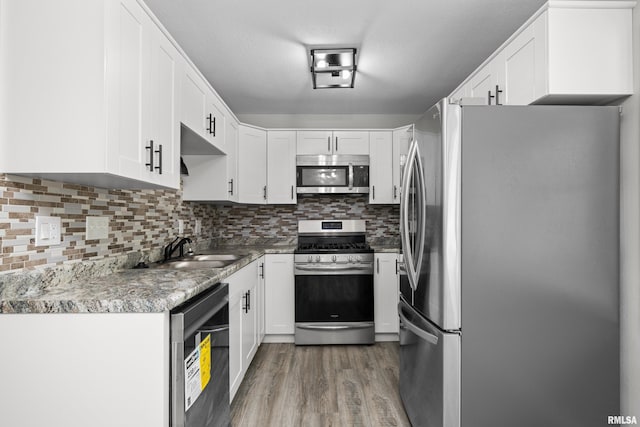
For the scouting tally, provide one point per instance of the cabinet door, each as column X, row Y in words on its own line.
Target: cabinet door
column 314, row 142
column 487, row 83
column 260, row 301
column 279, row 294
column 129, row 70
column 232, row 160
column 235, row 338
column 351, row 142
column 381, row 167
column 249, row 321
column 194, row 102
column 215, row 122
column 281, row 167
column 525, row 65
column 385, row 283
column 164, row 129
column 252, row 165
column 401, row 139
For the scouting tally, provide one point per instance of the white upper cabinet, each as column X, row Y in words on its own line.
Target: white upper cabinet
column 381, row 167
column 102, row 111
column 252, row 165
column 567, row 53
column 213, row 177
column 202, row 116
column 281, row 167
column 332, row 142
column 401, row 139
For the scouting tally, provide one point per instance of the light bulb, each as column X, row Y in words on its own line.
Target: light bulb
column 345, row 74
column 321, row 64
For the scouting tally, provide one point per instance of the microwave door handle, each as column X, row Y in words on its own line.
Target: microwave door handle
column 350, row 176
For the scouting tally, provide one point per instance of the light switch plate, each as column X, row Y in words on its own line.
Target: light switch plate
column 198, row 227
column 97, row 227
column 48, row 230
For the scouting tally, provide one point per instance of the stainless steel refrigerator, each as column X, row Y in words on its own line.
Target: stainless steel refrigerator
column 509, row 287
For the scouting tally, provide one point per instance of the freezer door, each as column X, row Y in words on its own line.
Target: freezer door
column 429, row 371
column 437, row 292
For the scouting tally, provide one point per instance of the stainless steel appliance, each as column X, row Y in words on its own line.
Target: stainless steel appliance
column 333, row 268
column 509, row 295
column 200, row 360
column 332, row 174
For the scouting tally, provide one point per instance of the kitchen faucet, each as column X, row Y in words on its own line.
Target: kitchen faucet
column 177, row 244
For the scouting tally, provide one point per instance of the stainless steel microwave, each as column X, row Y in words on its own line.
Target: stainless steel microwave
column 332, row 174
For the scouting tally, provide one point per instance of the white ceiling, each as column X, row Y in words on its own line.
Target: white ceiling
column 410, row 52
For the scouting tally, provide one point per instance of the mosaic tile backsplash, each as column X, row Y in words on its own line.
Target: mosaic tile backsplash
column 242, row 221
column 139, row 220
column 143, row 220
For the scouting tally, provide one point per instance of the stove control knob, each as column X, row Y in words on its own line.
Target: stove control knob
column 317, row 258
column 333, row 258
column 310, row 258
column 350, row 258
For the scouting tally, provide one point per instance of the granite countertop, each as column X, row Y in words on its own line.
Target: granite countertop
column 118, row 288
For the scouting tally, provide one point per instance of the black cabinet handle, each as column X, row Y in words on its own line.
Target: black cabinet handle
column 373, row 192
column 396, row 267
column 378, row 265
column 150, row 148
column 248, row 300
column 231, row 186
column 264, row 190
column 329, row 144
column 209, row 125
column 262, row 270
column 498, row 92
column 336, row 144
column 489, row 97
column 292, row 192
column 213, row 131
column 395, row 191
column 159, row 167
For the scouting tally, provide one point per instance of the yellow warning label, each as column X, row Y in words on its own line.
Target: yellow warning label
column 205, row 361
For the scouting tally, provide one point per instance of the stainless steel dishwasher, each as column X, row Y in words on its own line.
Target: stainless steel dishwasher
column 200, row 360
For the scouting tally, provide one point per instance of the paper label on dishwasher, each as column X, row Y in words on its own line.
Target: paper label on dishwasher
column 197, row 372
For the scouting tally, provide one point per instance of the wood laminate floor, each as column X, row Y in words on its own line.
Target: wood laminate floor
column 321, row 386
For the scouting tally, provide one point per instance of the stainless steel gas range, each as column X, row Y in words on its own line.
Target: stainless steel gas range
column 333, row 267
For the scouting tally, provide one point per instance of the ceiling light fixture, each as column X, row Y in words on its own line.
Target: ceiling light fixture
column 333, row 68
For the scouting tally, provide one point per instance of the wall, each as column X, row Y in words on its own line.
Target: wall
column 139, row 220
column 329, row 121
column 239, row 222
column 630, row 241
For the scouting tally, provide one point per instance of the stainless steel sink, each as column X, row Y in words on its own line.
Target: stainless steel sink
column 228, row 258
column 201, row 261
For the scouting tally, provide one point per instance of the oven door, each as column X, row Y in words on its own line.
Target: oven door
column 334, row 304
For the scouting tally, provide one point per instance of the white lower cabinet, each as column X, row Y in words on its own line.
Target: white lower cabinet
column 279, row 294
column 244, row 312
column 385, row 285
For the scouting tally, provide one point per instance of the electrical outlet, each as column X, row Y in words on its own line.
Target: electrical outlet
column 180, row 227
column 48, row 230
column 198, row 227
column 97, row 227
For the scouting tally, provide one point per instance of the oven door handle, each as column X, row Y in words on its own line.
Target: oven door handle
column 334, row 327
column 334, row 268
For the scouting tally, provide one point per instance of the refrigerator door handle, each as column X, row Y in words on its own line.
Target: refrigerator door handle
column 422, row 213
column 404, row 322
column 404, row 217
